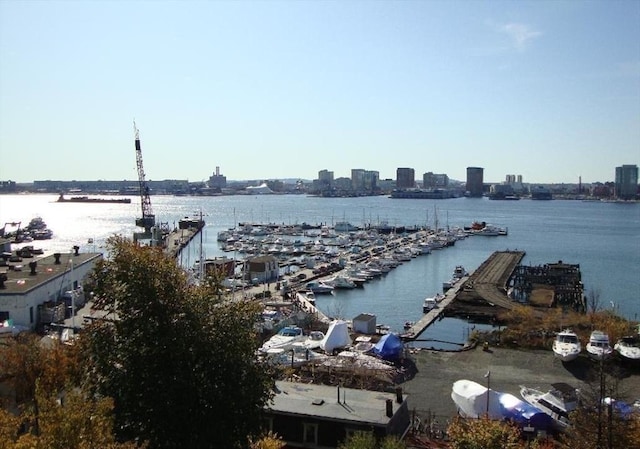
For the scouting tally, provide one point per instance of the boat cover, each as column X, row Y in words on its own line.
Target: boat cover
column 389, row 347
column 471, row 399
column 336, row 337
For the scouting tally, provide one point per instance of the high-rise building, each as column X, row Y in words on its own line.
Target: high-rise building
column 432, row 180
column 626, row 182
column 371, row 180
column 357, row 179
column 405, row 178
column 475, row 181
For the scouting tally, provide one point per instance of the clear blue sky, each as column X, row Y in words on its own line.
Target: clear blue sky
column 546, row 89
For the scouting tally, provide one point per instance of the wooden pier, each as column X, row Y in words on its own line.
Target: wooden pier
column 483, row 293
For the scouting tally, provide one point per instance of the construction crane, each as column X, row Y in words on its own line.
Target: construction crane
column 148, row 220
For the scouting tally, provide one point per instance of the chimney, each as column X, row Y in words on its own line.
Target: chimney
column 3, row 277
column 56, row 256
column 76, row 248
column 33, row 266
column 399, row 395
column 389, row 408
column 338, row 394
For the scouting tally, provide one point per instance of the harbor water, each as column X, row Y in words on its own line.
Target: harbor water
column 603, row 238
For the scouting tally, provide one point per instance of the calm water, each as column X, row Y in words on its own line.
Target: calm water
column 604, row 238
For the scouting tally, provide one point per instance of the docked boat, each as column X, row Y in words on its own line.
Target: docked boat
column 558, row 402
column 474, row 401
column 340, row 282
column 319, row 287
column 429, row 304
column 459, row 272
column 599, row 347
column 566, row 346
column 86, row 199
column 628, row 348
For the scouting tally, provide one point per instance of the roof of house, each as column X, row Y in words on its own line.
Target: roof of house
column 20, row 279
column 362, row 406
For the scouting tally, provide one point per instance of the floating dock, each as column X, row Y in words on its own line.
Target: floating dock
column 482, row 293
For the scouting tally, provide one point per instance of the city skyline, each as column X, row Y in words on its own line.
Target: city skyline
column 281, row 90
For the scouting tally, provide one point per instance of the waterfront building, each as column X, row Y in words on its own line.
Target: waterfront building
column 432, row 180
column 325, row 178
column 371, row 180
column 405, row 178
column 475, row 181
column 626, row 185
column 217, row 181
column 33, row 297
column 357, row 179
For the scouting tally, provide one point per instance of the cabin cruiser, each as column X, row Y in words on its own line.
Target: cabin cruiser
column 566, row 346
column 429, row 304
column 340, row 281
column 319, row 287
column 558, row 402
column 284, row 338
column 628, row 348
column 599, row 347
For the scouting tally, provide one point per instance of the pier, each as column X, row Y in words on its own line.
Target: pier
column 480, row 294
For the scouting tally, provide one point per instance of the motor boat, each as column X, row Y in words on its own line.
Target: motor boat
column 558, row 402
column 599, row 347
column 474, row 401
column 429, row 304
column 628, row 348
column 341, row 282
column 284, row 338
column 566, row 345
column 319, row 287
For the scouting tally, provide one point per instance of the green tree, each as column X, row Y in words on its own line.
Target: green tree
column 177, row 359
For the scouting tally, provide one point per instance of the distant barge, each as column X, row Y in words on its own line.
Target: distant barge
column 86, row 199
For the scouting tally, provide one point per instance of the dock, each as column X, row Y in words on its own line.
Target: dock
column 485, row 288
column 178, row 239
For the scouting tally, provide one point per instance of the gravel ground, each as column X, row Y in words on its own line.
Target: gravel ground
column 430, row 389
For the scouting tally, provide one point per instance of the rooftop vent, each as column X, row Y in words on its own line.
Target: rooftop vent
column 56, row 256
column 33, row 266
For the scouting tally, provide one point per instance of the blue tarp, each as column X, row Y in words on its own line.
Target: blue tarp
column 389, row 347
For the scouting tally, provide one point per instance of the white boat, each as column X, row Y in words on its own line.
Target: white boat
column 628, row 348
column 474, row 401
column 319, row 287
column 429, row 304
column 599, row 347
column 341, row 282
column 558, row 402
column 459, row 272
column 566, row 346
column 284, row 338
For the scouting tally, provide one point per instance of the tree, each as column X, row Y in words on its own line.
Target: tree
column 367, row 440
column 178, row 361
column 483, row 433
column 50, row 410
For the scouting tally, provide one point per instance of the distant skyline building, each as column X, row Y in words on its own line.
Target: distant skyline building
column 405, row 178
column 432, row 180
column 371, row 180
column 626, row 184
column 217, row 181
column 475, row 181
column 357, row 178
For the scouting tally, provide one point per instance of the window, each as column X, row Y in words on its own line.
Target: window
column 310, row 434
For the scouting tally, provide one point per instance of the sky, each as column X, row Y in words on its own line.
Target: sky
column 549, row 90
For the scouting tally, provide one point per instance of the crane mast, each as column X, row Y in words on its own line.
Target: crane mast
column 148, row 219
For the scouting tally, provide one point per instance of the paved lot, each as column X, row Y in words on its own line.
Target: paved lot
column 430, row 389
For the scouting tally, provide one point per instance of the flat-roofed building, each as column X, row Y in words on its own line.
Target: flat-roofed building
column 32, row 289
column 321, row 416
column 475, row 181
column 405, row 178
column 626, row 182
